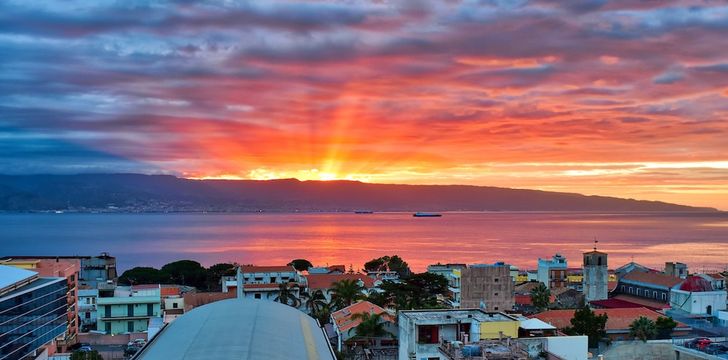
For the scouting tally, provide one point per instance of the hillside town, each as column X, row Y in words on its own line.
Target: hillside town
column 79, row 307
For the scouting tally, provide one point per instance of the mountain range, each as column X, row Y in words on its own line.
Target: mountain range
column 154, row 193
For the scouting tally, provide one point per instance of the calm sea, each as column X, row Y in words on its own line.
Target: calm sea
column 700, row 240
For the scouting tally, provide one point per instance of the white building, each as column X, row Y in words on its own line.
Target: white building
column 422, row 332
column 696, row 296
column 263, row 279
column 546, row 265
column 453, row 274
column 87, row 311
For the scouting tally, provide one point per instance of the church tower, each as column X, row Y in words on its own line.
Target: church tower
column 595, row 275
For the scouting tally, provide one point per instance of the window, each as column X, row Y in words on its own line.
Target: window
column 654, row 294
column 664, row 296
column 130, row 310
column 174, row 305
column 130, row 326
column 495, row 294
column 107, row 311
column 428, row 334
column 150, row 309
column 257, row 296
column 496, row 280
column 87, row 315
column 495, row 308
column 107, row 327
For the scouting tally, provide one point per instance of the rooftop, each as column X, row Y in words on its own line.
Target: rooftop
column 240, row 329
column 325, row 281
column 650, row 304
column 453, row 315
column 653, row 278
column 266, row 269
column 10, row 275
column 128, row 300
column 617, row 319
column 535, row 324
column 343, row 317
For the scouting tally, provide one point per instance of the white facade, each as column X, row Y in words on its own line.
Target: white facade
column 698, row 302
column 568, row 347
column 544, row 265
column 87, row 311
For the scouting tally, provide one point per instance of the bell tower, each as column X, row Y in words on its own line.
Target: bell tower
column 595, row 275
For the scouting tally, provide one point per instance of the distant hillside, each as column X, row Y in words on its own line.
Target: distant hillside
column 139, row 193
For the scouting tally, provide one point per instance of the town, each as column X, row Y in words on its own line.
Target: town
column 79, row 308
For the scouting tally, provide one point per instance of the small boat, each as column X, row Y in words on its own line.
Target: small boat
column 363, row 212
column 426, row 214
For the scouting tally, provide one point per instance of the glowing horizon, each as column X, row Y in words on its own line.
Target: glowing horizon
column 610, row 98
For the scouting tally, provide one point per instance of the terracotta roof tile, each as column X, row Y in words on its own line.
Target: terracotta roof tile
column 650, row 304
column 617, row 319
column 658, row 279
column 325, row 281
column 343, row 319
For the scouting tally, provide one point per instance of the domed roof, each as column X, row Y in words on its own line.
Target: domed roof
column 696, row 283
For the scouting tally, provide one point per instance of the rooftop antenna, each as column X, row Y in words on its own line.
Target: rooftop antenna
column 595, row 243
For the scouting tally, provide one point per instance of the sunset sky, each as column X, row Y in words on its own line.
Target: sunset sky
column 622, row 98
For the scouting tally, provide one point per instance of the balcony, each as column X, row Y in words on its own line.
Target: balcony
column 454, row 289
column 126, row 317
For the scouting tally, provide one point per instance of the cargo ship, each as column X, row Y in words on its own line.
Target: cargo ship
column 426, row 214
column 363, row 212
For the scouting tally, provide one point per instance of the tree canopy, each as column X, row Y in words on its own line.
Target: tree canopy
column 419, row 291
column 665, row 326
column 183, row 272
column 389, row 263
column 541, row 297
column 586, row 322
column 300, row 264
column 643, row 329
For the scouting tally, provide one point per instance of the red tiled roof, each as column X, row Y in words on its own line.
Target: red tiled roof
column 696, row 284
column 522, row 299
column 266, row 269
column 614, row 304
column 717, row 276
column 341, row 268
column 343, row 319
column 169, row 290
column 264, row 286
column 617, row 319
column 325, row 281
column 145, row 286
column 650, row 304
column 653, row 278
column 193, row 300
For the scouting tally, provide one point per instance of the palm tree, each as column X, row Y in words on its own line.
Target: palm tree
column 286, row 295
column 314, row 301
column 371, row 325
column 643, row 329
column 346, row 292
column 540, row 297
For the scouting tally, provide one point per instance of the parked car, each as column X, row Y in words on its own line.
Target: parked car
column 698, row 343
column 716, row 348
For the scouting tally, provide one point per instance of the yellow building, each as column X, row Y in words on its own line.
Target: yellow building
column 497, row 329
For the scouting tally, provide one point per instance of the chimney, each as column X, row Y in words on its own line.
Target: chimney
column 239, row 283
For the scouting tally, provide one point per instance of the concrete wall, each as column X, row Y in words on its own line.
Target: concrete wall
column 638, row 350
column 491, row 285
column 568, row 347
column 698, row 302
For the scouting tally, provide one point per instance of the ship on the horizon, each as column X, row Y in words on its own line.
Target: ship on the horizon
column 426, row 214
column 363, row 212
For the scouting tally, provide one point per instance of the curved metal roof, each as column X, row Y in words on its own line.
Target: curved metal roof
column 240, row 329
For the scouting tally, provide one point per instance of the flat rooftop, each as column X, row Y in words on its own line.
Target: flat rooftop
column 240, row 329
column 454, row 315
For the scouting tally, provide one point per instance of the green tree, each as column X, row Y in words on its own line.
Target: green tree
column 419, row 291
column 215, row 273
column 643, row 329
column 585, row 322
column 323, row 314
column 300, row 264
column 143, row 275
column 540, row 297
column 665, row 326
column 371, row 325
column 315, row 301
column 287, row 296
column 86, row 355
column 389, row 263
column 186, row 272
column 346, row 292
